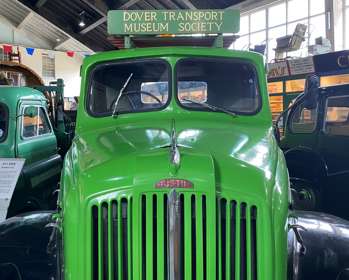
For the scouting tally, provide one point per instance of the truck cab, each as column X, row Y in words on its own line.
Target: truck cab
column 315, row 146
column 26, row 132
column 174, row 166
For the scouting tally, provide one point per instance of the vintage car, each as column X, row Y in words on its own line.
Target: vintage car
column 315, row 146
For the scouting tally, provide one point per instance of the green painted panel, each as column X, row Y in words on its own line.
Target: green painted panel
column 150, row 22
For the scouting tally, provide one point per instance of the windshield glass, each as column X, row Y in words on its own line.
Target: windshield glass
column 3, row 122
column 228, row 84
column 143, row 85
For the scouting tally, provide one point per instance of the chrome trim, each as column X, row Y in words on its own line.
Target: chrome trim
column 175, row 156
column 174, row 236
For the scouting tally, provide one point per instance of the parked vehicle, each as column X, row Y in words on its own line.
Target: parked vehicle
column 34, row 129
column 315, row 146
column 175, row 172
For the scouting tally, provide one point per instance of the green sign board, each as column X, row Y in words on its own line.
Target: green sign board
column 153, row 22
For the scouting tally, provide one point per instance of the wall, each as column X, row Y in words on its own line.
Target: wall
column 67, row 68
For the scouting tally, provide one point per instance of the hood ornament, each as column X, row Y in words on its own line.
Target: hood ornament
column 175, row 156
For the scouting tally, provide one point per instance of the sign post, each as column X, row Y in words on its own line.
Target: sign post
column 177, row 22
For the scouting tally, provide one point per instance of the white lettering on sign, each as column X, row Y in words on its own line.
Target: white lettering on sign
column 186, row 21
column 10, row 169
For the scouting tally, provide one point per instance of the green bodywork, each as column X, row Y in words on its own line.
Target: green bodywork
column 41, row 171
column 230, row 160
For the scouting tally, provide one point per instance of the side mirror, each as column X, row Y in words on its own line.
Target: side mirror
column 311, row 91
column 9, row 271
column 276, row 132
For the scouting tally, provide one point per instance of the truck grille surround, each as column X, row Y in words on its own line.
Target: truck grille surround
column 131, row 241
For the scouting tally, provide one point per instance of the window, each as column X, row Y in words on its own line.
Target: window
column 337, row 116
column 327, row 81
column 48, row 68
column 192, row 90
column 295, row 85
column 275, row 87
column 276, row 105
column 144, row 85
column 303, row 120
column 346, row 24
column 35, row 122
column 214, row 85
column 4, row 118
column 265, row 25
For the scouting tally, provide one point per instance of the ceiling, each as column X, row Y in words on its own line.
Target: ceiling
column 38, row 28
column 65, row 14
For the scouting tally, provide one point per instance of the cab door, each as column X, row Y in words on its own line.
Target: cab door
column 301, row 128
column 333, row 145
column 36, row 140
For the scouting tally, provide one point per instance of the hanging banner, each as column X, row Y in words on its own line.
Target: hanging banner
column 7, row 49
column 154, row 22
column 30, row 51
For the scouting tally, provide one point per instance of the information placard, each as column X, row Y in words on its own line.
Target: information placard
column 10, row 169
column 153, row 22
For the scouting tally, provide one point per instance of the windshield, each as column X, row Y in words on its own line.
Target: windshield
column 227, row 84
column 3, row 122
column 143, row 85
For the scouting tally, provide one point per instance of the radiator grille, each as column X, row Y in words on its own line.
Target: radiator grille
column 236, row 240
column 119, row 246
column 112, row 240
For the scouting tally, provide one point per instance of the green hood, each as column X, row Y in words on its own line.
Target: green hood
column 127, row 156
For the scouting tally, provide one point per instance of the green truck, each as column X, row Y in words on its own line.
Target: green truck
column 31, row 128
column 174, row 173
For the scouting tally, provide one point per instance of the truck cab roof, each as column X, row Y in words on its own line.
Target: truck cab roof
column 11, row 95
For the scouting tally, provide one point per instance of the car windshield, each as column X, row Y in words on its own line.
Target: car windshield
column 3, row 122
column 143, row 85
column 228, row 84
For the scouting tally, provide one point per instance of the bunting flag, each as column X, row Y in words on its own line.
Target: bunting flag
column 70, row 53
column 30, row 51
column 7, row 49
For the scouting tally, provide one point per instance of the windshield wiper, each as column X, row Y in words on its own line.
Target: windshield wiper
column 211, row 107
column 115, row 112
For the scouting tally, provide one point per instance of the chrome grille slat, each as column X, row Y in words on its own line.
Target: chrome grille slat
column 113, row 231
column 236, row 240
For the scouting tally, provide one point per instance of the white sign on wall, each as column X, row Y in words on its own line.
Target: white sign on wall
column 10, row 169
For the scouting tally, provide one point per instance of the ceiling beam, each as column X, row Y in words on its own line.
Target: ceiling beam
column 170, row 4
column 249, row 5
column 127, row 5
column 98, row 5
column 93, row 25
column 40, row 3
column 27, row 18
column 189, row 4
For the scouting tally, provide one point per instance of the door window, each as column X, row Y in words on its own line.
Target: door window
column 337, row 115
column 303, row 120
column 35, row 122
column 3, row 122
